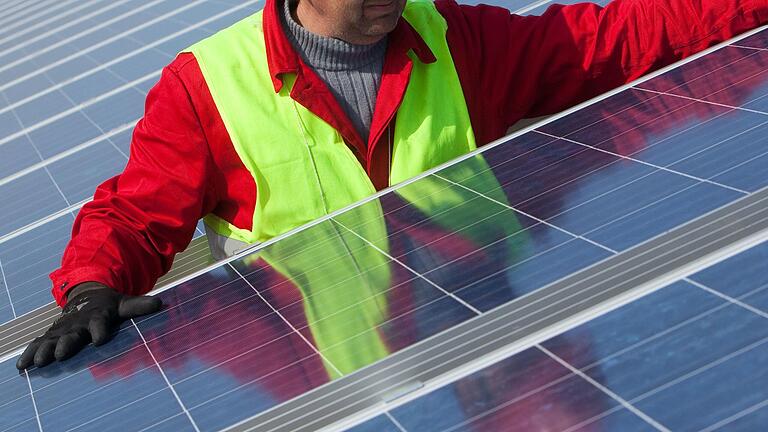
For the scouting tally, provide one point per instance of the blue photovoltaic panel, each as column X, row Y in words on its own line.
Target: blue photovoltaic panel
column 26, row 261
column 69, row 96
column 352, row 290
column 684, row 357
column 334, row 298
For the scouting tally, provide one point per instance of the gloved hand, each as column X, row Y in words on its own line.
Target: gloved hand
column 93, row 313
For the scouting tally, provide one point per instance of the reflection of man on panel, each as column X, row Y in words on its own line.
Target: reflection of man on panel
column 315, row 104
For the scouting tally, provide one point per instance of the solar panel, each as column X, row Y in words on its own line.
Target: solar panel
column 683, row 357
column 344, row 320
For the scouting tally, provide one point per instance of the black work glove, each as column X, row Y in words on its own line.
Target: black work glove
column 93, row 313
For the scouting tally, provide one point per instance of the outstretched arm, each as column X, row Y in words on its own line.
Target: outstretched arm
column 528, row 66
column 126, row 238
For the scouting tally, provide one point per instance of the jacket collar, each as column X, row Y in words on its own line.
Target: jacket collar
column 282, row 58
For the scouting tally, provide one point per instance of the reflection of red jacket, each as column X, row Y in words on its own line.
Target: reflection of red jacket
column 183, row 165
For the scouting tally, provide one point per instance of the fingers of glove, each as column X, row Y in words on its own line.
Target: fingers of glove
column 71, row 343
column 28, row 356
column 132, row 307
column 44, row 354
column 101, row 329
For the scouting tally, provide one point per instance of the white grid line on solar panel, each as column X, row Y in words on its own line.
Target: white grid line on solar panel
column 51, row 22
column 647, row 78
column 7, row 290
column 750, row 48
column 66, row 153
column 165, row 378
column 105, row 66
column 394, row 421
column 737, row 60
column 63, row 23
column 28, row 12
column 109, row 40
column 572, row 322
column 48, row 172
column 58, row 28
column 659, row 167
column 34, row 403
column 154, row 425
column 727, row 298
column 593, row 419
column 728, row 420
column 702, row 101
column 623, row 402
column 27, row 228
column 542, row 221
column 287, row 322
column 410, row 269
column 88, row 117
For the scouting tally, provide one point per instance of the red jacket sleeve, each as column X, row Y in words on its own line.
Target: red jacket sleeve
column 528, row 66
column 127, row 236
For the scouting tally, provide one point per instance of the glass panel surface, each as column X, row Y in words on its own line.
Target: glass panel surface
column 529, row 391
column 685, row 357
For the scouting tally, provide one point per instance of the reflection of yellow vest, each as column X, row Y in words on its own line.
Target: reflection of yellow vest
column 303, row 170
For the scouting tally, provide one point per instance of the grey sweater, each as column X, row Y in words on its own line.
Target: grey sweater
column 352, row 72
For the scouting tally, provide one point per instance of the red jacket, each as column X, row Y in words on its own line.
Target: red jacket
column 183, row 165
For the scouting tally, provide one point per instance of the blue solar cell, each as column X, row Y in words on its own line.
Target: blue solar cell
column 376, row 424
column 16, row 155
column 91, row 86
column 742, row 277
column 666, row 352
column 19, row 207
column 182, row 41
column 67, row 70
column 759, row 40
column 117, row 110
column 42, row 108
column 733, row 77
column 17, row 411
column 28, row 259
column 663, row 215
column 63, row 134
column 528, row 391
column 78, row 175
column 137, row 67
column 82, row 393
column 26, row 87
column 8, row 124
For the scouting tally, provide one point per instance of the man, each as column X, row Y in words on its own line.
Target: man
column 315, row 104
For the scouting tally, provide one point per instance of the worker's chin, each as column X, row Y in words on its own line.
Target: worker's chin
column 381, row 26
